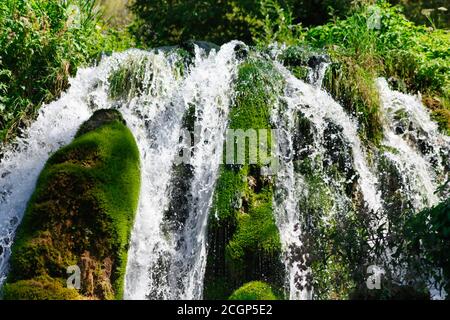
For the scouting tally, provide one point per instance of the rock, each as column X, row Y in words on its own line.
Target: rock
column 100, row 118
column 80, row 214
column 189, row 46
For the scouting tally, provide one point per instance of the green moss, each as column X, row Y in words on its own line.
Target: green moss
column 255, row 290
column 134, row 76
column 244, row 242
column 297, row 59
column 256, row 229
column 82, row 210
column 40, row 288
column 256, row 88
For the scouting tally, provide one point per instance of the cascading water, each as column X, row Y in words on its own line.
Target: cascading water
column 321, row 110
column 316, row 138
column 414, row 144
column 418, row 154
column 147, row 110
column 177, row 262
column 153, row 106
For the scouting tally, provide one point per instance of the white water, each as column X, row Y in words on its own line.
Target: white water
column 422, row 169
column 162, row 266
column 153, row 112
column 177, row 264
column 421, row 173
column 58, row 122
column 320, row 109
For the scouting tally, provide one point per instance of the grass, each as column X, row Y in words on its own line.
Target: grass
column 415, row 56
column 81, row 212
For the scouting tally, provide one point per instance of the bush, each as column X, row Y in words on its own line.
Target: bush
column 42, row 43
column 428, row 237
column 396, row 48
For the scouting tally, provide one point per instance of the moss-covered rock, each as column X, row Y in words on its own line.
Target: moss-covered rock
column 81, row 213
column 40, row 288
column 255, row 290
column 243, row 239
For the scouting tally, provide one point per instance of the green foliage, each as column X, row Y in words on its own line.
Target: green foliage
column 426, row 12
column 42, row 43
column 255, row 290
column 82, row 210
column 427, row 235
column 254, row 21
column 413, row 55
column 397, row 48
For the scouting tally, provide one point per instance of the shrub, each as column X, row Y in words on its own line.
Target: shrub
column 42, row 43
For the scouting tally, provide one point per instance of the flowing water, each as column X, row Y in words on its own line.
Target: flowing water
column 153, row 104
column 311, row 127
column 321, row 110
column 172, row 267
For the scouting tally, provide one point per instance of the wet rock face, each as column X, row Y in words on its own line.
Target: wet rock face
column 315, row 60
column 303, row 138
column 180, row 196
column 80, row 214
column 338, row 152
column 204, row 45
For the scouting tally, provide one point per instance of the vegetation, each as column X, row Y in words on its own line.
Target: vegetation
column 81, row 213
column 40, row 288
column 255, row 290
column 243, row 237
column 380, row 41
column 427, row 235
column 83, row 207
column 42, row 43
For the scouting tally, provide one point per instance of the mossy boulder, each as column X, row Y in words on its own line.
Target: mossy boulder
column 255, row 290
column 81, row 213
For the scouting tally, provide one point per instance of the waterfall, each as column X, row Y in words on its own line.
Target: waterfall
column 419, row 155
column 153, row 101
column 414, row 144
column 320, row 109
column 325, row 172
column 173, row 266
